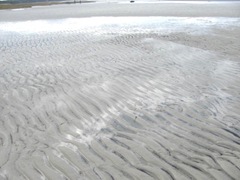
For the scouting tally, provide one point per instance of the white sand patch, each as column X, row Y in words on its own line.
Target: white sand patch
column 102, row 25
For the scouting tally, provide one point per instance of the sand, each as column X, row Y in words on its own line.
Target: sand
column 127, row 97
column 124, row 8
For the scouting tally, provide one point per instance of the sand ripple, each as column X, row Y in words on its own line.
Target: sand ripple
column 158, row 99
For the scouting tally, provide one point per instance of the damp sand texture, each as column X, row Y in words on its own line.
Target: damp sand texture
column 120, row 98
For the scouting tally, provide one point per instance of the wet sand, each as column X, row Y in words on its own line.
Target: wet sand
column 124, row 8
column 135, row 97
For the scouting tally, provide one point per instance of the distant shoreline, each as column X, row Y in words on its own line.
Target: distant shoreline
column 18, row 5
column 63, row 11
column 4, row 5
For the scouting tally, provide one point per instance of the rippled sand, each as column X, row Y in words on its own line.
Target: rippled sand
column 120, row 98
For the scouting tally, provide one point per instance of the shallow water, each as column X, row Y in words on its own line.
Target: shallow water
column 120, row 98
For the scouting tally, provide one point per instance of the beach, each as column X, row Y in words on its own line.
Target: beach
column 124, row 8
column 120, row 91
